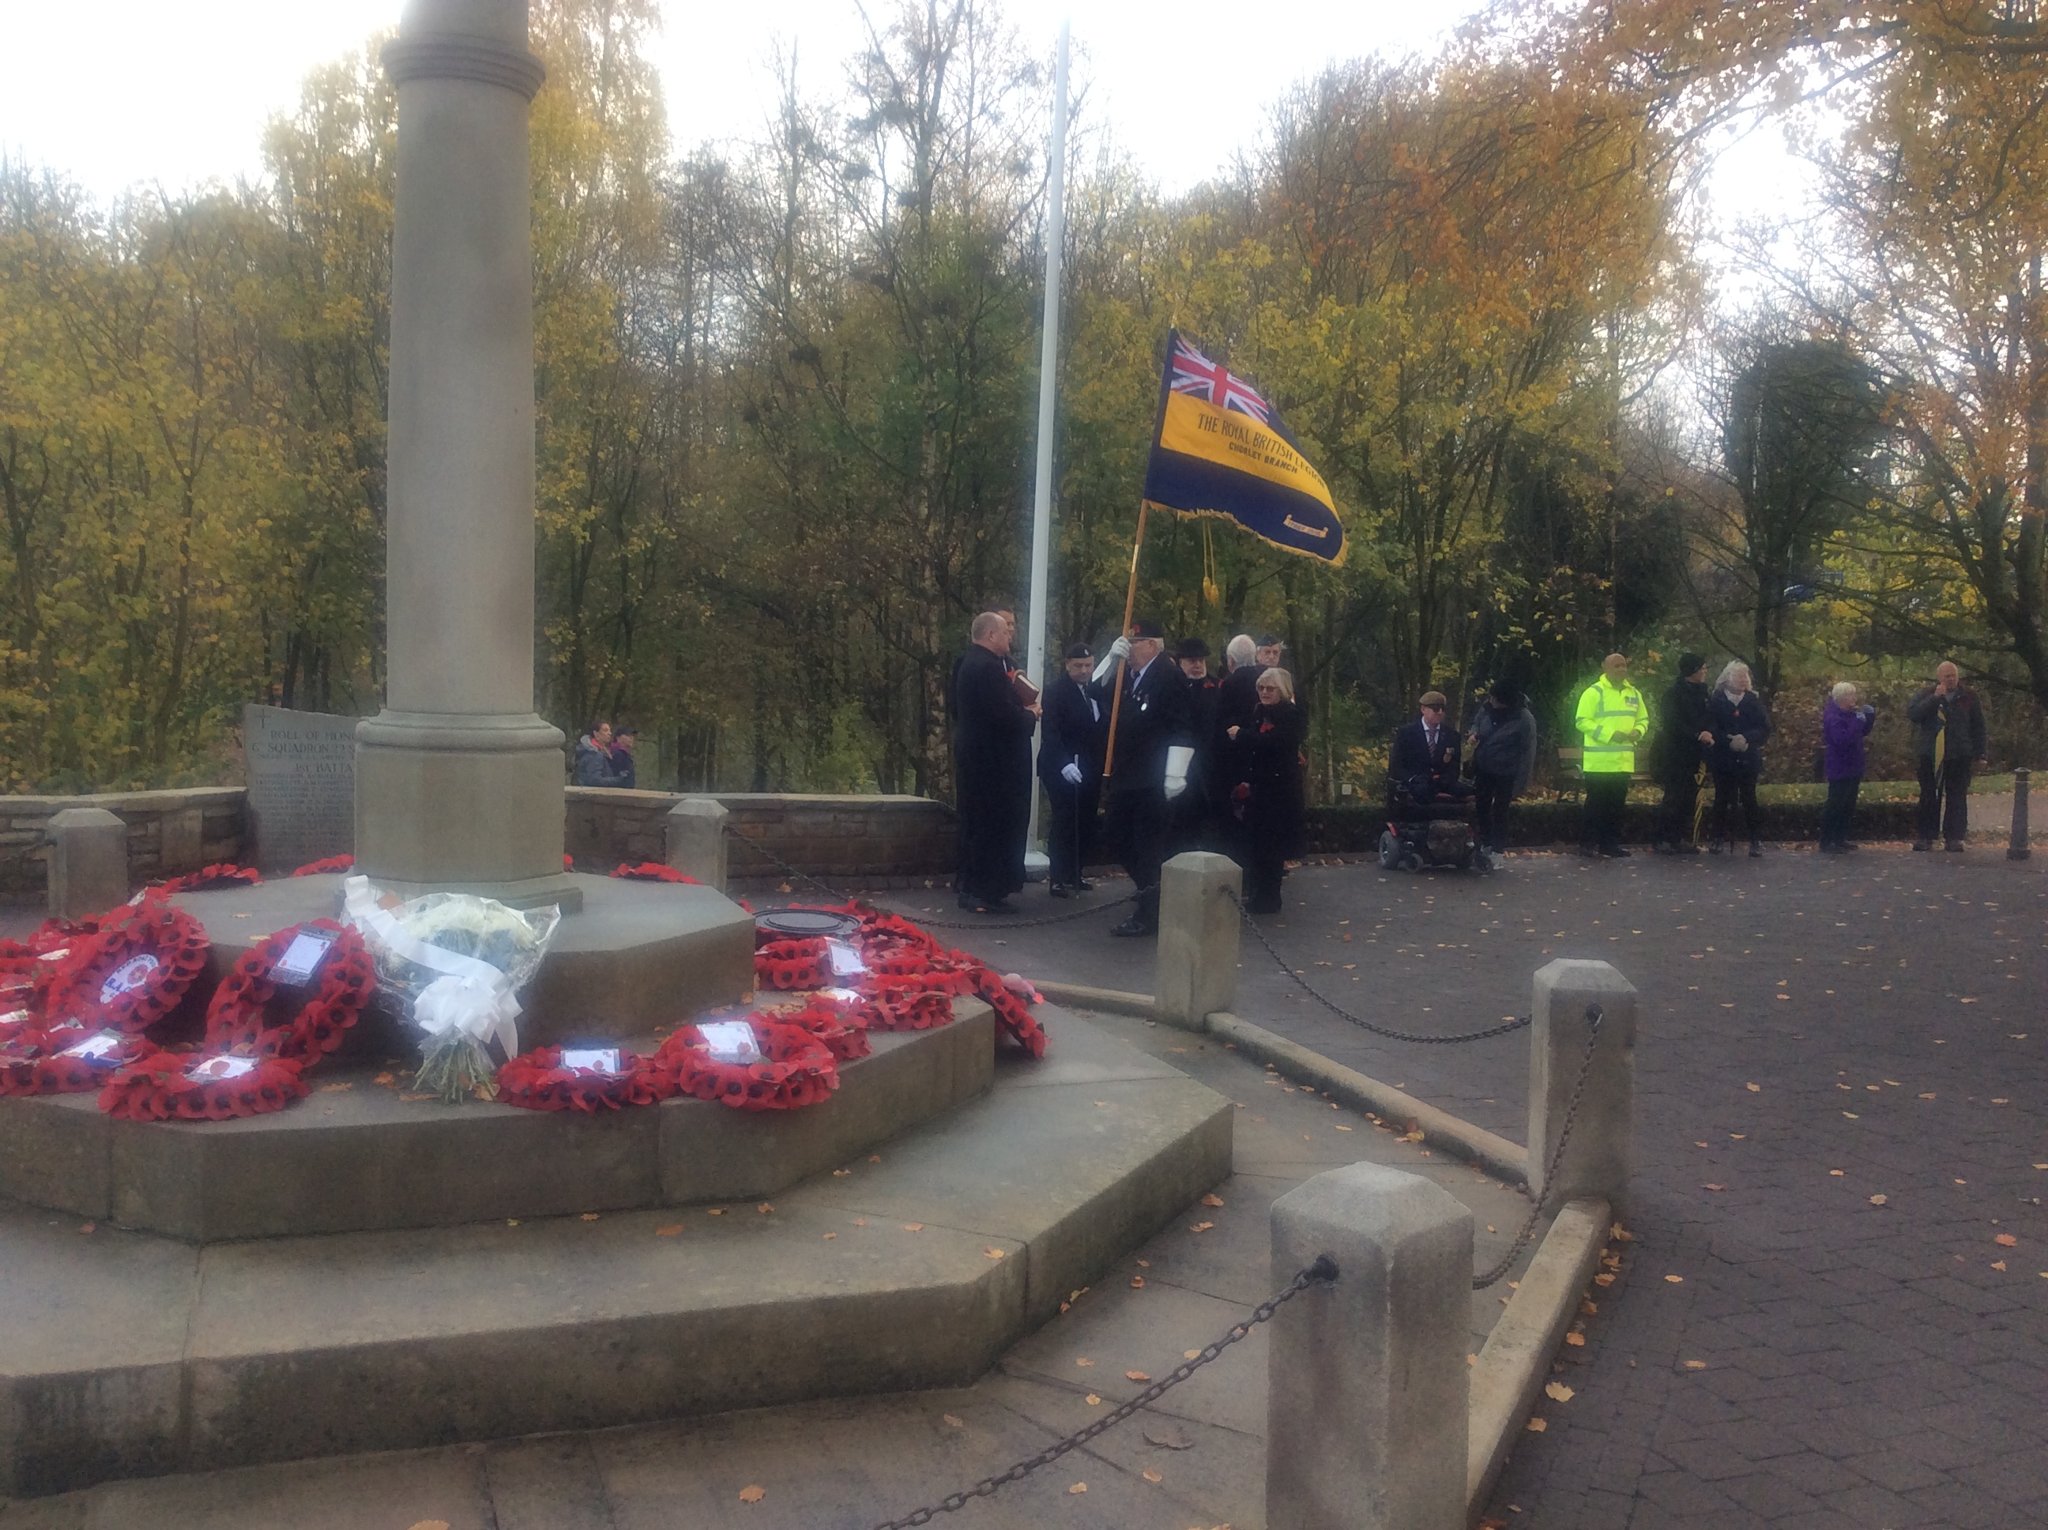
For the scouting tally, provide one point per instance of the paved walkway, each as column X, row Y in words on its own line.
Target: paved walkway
column 1196, row 1457
column 1835, row 1310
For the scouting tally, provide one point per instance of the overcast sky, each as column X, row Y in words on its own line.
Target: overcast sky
column 120, row 93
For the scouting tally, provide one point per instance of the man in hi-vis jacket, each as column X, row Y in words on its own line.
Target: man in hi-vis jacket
column 1613, row 723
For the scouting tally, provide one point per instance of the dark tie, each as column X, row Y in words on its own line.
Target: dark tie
column 1432, row 739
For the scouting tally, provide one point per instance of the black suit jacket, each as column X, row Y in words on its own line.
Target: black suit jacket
column 1072, row 731
column 1412, row 756
column 1150, row 720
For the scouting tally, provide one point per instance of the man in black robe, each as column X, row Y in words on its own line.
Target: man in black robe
column 1678, row 751
column 991, row 768
column 1148, row 768
column 1192, row 826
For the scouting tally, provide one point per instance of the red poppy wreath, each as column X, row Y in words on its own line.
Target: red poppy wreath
column 654, row 871
column 66, row 1060
column 294, row 993
column 588, row 1079
column 325, row 865
column 130, row 974
column 790, row 966
column 210, row 879
column 793, row 1068
column 188, row 1086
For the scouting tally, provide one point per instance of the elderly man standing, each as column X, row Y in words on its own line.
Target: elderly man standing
column 1612, row 722
column 991, row 768
column 1150, row 751
column 1948, row 740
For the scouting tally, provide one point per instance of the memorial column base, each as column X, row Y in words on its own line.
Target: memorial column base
column 450, row 802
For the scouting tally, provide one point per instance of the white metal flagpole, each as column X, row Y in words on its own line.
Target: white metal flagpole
column 1048, row 369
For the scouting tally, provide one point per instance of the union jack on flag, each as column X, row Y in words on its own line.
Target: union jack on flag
column 1192, row 372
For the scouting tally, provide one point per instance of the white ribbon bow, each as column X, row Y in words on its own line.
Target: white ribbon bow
column 471, row 997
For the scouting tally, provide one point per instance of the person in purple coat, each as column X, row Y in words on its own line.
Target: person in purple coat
column 1843, row 728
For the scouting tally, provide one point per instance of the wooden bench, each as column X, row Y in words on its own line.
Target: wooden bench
column 1571, row 774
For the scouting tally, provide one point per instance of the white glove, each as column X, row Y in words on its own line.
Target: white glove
column 1178, row 758
column 1739, row 743
column 1071, row 773
column 1120, row 649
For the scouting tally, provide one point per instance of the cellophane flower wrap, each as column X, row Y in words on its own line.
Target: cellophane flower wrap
column 456, row 962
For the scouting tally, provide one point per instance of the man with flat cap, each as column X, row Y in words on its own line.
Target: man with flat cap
column 1150, row 753
column 1076, row 727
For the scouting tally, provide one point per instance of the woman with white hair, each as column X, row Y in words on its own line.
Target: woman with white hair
column 1739, row 724
column 1263, row 768
column 1843, row 727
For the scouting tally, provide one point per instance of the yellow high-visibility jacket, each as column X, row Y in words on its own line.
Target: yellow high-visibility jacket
column 1607, row 715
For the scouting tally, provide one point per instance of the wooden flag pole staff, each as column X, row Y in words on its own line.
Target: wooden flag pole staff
column 1116, row 699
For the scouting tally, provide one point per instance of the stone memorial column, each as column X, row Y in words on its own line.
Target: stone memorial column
column 458, row 780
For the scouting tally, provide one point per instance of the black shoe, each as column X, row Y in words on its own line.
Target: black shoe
column 1846, row 846
column 1082, row 884
column 1954, row 847
column 1716, row 847
column 1589, row 850
column 969, row 902
column 1833, row 849
column 1270, row 905
column 1665, row 849
column 1060, row 890
column 1921, row 844
column 1137, row 924
column 1616, row 852
column 1756, row 851
column 1688, row 849
column 996, row 906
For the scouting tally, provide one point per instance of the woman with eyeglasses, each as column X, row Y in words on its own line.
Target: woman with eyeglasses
column 1264, row 796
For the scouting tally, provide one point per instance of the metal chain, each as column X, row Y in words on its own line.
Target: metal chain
column 1505, row 1028
column 1323, row 1271
column 1089, row 912
column 1594, row 1015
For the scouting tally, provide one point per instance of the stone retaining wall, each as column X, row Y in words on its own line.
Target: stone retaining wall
column 169, row 832
column 828, row 836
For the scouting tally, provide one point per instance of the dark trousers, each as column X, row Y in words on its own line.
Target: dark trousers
column 1491, row 795
column 1729, row 787
column 1678, row 814
column 1134, row 828
column 1945, row 804
column 1606, row 794
column 1841, row 807
column 1070, row 828
column 1265, row 866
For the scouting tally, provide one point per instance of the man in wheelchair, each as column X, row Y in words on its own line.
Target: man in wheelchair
column 1429, row 809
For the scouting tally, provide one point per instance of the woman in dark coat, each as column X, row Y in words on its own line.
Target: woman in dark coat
column 1263, row 762
column 1739, row 723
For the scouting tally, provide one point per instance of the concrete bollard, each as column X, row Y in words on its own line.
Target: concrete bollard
column 2016, row 848
column 1199, row 923
column 1600, row 1156
column 1367, row 1411
column 694, row 837
column 88, row 862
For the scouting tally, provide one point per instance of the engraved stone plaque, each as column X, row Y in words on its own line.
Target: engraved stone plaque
column 302, row 785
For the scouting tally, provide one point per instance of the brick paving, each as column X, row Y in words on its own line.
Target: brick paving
column 1823, row 1359
column 1843, row 1073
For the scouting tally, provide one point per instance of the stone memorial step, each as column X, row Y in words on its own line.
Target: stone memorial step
column 911, row 1266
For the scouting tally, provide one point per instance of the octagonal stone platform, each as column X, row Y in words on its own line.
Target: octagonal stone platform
column 637, row 955
column 358, row 1156
column 911, row 1265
